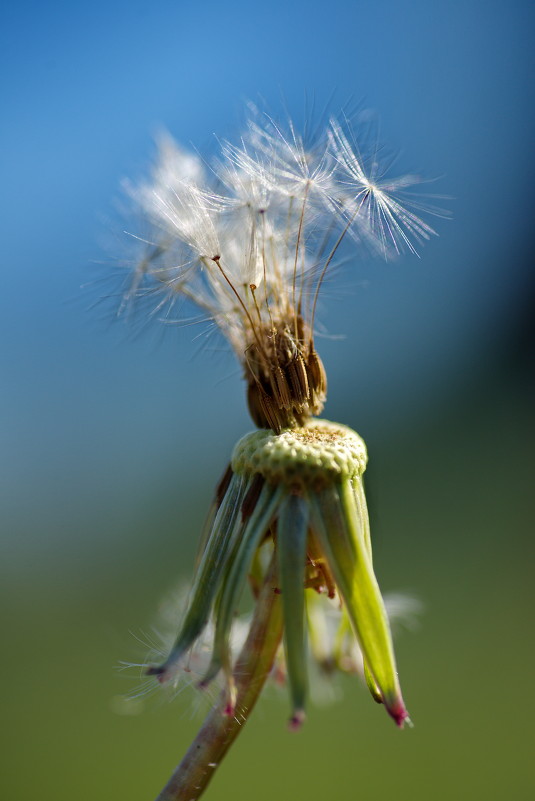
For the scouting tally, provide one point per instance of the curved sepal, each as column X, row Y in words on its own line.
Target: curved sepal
column 253, row 534
column 337, row 523
column 208, row 576
column 292, row 528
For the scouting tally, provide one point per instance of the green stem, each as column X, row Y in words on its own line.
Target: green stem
column 218, row 732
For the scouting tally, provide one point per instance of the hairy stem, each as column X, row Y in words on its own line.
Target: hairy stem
column 218, row 732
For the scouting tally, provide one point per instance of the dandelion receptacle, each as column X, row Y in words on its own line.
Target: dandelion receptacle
column 249, row 241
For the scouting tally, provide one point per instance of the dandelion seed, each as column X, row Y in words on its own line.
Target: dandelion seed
column 376, row 201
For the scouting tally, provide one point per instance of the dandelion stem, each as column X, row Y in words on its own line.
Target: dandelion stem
column 218, row 732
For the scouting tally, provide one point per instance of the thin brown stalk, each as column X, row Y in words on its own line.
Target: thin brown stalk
column 218, row 732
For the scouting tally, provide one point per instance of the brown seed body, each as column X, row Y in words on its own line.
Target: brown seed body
column 286, row 382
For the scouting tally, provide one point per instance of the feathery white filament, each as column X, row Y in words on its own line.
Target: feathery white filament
column 250, row 241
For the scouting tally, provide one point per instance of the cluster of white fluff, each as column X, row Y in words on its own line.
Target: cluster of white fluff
column 332, row 647
column 188, row 671
column 250, row 237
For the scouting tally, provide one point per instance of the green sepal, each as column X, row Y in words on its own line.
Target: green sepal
column 337, row 523
column 362, row 510
column 209, row 572
column 292, row 528
column 221, row 490
column 251, row 537
column 375, row 692
column 357, row 484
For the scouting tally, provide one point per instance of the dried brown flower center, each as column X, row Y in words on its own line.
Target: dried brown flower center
column 286, row 381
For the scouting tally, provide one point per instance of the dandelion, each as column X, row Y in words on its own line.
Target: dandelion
column 250, row 241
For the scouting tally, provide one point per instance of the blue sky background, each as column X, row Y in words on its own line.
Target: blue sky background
column 107, row 438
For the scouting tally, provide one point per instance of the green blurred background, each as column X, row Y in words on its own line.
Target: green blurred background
column 112, row 444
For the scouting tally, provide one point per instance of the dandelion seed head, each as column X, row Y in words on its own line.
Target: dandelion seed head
column 250, row 239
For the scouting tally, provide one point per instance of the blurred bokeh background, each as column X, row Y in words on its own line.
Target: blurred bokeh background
column 111, row 443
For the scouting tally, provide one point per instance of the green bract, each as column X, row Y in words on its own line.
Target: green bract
column 300, row 491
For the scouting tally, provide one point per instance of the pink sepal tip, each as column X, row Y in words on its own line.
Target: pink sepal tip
column 297, row 720
column 229, row 710
column 159, row 671
column 399, row 713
